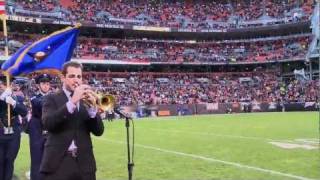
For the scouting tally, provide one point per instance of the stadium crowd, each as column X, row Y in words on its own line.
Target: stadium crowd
column 210, row 52
column 197, row 88
column 254, row 50
column 179, row 14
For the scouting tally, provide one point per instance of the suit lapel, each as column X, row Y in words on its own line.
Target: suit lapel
column 61, row 97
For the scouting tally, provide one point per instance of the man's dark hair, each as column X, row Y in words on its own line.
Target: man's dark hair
column 70, row 64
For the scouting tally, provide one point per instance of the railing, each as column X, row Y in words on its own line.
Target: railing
column 218, row 108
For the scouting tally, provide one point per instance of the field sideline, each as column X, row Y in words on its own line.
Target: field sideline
column 236, row 146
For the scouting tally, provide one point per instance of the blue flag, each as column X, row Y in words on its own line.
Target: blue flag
column 48, row 53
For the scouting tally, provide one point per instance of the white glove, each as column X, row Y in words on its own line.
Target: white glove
column 6, row 93
column 11, row 101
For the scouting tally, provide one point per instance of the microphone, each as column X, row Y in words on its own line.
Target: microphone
column 118, row 110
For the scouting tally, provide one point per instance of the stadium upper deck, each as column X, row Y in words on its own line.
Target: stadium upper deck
column 112, row 46
column 182, row 88
column 177, row 52
column 202, row 14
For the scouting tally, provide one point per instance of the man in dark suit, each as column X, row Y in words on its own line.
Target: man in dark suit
column 9, row 140
column 68, row 153
column 37, row 134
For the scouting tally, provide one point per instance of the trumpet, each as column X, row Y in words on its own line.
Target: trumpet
column 103, row 102
column 106, row 102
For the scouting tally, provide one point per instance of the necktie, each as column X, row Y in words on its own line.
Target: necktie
column 78, row 104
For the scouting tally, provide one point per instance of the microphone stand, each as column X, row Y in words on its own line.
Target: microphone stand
column 130, row 156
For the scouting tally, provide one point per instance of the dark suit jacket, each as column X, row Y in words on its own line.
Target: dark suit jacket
column 62, row 128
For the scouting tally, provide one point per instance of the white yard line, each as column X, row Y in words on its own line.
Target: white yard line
column 242, row 166
column 226, row 135
column 214, row 134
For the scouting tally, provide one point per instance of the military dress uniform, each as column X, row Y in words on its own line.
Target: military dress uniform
column 10, row 143
column 37, row 134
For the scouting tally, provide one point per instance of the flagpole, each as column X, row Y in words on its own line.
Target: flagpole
column 5, row 34
column 6, row 54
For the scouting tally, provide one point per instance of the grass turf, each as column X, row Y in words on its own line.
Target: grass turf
column 234, row 146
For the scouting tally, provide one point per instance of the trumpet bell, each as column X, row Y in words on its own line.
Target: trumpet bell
column 106, row 102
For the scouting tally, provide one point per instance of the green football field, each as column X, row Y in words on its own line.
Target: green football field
column 237, row 146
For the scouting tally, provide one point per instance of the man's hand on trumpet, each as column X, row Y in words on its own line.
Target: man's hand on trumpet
column 84, row 92
column 79, row 93
column 90, row 97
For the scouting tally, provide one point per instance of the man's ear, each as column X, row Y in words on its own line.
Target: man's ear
column 62, row 78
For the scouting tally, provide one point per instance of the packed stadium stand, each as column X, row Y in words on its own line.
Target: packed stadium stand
column 188, row 88
column 164, row 70
column 183, row 14
column 253, row 50
column 185, row 52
